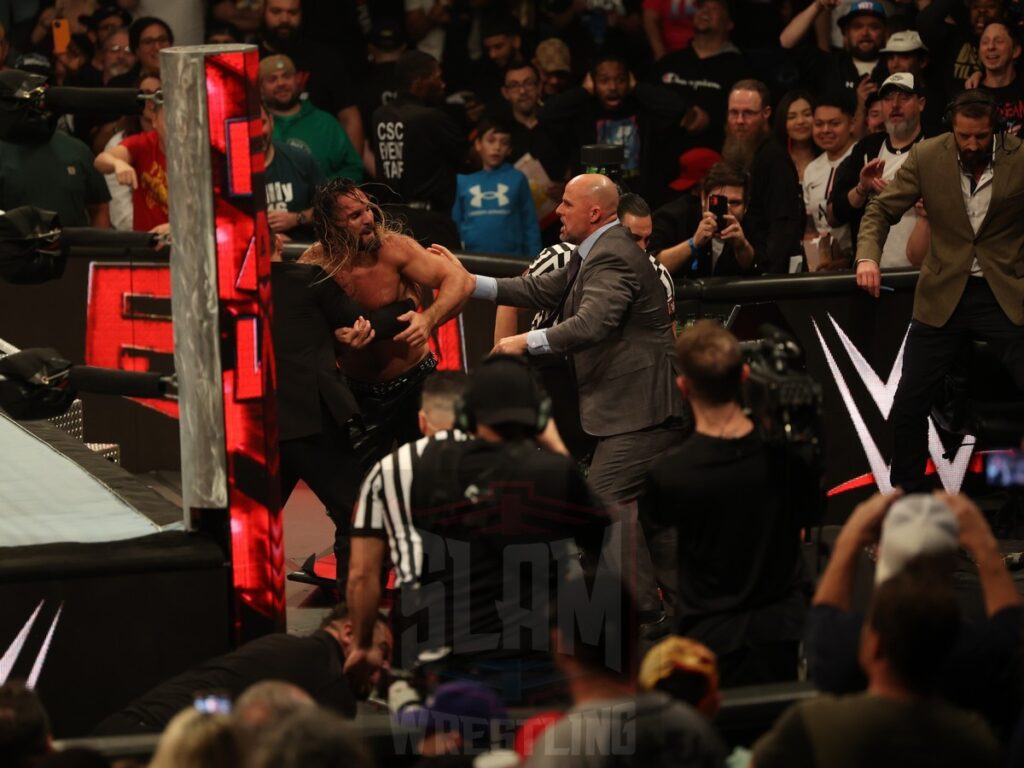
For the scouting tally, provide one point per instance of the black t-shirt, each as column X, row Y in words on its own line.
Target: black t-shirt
column 314, row 663
column 419, row 151
column 640, row 124
column 704, row 82
column 500, row 526
column 1010, row 103
column 738, row 527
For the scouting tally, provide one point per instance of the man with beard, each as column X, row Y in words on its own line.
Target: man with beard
column 317, row 71
column 858, row 69
column 970, row 284
column 291, row 177
column 299, row 123
column 905, row 52
column 362, row 251
column 774, row 219
column 612, row 108
column 956, row 45
column 117, row 60
column 874, row 162
column 100, row 26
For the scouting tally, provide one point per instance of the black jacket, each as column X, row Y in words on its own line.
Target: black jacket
column 419, row 151
column 774, row 222
column 308, row 306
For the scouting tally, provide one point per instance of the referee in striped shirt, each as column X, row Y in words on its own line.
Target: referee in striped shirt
column 483, row 524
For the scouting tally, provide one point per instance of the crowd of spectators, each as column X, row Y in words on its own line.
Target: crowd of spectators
column 404, row 94
column 753, row 136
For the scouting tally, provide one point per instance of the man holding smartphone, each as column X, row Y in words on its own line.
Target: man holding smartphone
column 717, row 245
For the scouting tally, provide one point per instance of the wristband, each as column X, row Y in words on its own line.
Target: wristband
column 861, row 192
column 301, row 219
column 693, row 245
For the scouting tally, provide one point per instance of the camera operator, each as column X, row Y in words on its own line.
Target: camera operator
column 735, row 501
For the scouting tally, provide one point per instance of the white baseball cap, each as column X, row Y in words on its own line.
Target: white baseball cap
column 919, row 524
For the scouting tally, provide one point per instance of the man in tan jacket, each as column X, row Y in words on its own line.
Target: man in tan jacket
column 972, row 279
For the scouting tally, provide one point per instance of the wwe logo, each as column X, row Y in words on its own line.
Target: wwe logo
column 501, row 195
column 10, row 657
column 951, row 471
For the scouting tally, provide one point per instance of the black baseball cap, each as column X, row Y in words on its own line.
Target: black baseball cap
column 504, row 390
column 387, row 34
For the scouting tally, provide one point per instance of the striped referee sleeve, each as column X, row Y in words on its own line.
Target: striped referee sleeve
column 385, row 505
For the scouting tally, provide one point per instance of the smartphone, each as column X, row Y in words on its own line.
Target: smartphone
column 61, row 35
column 213, row 703
column 719, row 205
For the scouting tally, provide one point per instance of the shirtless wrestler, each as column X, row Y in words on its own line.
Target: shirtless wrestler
column 376, row 266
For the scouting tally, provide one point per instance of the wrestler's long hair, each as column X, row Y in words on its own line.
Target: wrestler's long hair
column 337, row 243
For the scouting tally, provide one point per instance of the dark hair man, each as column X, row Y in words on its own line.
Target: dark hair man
column 635, row 216
column 969, row 285
column 376, row 266
column 911, row 626
column 875, row 160
column 774, row 215
column 741, row 588
column 313, row 662
column 858, row 69
column 688, row 237
column 319, row 71
column 457, row 516
column 501, row 39
column 315, row 406
column 521, row 90
column 612, row 108
column 441, row 393
column 833, row 132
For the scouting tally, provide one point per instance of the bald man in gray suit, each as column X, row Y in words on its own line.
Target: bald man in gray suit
column 608, row 312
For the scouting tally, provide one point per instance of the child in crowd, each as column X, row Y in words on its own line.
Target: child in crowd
column 493, row 207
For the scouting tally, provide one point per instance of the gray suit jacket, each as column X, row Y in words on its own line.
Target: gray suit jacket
column 617, row 330
column 932, row 172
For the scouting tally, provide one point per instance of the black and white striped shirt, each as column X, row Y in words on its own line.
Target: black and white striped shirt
column 385, row 505
column 557, row 257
